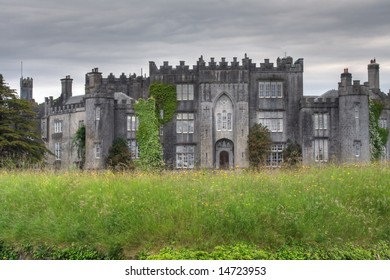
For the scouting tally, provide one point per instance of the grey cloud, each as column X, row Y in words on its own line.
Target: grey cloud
column 57, row 38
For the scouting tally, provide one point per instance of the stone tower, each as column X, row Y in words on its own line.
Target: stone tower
column 99, row 120
column 26, row 88
column 353, row 120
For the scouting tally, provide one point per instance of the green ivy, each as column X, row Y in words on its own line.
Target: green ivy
column 165, row 96
column 148, row 138
column 378, row 135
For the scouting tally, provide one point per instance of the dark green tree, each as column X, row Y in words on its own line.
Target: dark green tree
column 19, row 142
column 259, row 145
column 292, row 154
column 119, row 156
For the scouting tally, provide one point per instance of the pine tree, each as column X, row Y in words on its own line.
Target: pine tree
column 19, row 144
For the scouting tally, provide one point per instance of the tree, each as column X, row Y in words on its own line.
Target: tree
column 292, row 154
column 19, row 143
column 259, row 145
column 119, row 156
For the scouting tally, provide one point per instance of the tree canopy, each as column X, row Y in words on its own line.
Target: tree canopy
column 19, row 142
column 259, row 145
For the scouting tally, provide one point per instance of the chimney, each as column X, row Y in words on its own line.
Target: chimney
column 66, row 88
column 346, row 78
column 373, row 74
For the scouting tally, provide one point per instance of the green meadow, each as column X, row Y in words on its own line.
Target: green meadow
column 337, row 212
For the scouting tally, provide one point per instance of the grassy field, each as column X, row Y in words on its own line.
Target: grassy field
column 135, row 215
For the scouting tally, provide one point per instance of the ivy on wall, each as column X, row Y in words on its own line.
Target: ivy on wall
column 148, row 138
column 165, row 97
column 378, row 135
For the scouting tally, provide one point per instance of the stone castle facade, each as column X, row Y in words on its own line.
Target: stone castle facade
column 217, row 104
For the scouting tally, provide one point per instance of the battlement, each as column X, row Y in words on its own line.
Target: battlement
column 50, row 109
column 319, row 102
column 123, row 78
column 284, row 64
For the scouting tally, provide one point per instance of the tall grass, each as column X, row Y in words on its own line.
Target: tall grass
column 200, row 209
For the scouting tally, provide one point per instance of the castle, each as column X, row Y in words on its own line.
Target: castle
column 217, row 104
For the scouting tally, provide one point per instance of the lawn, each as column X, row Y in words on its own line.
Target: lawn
column 306, row 213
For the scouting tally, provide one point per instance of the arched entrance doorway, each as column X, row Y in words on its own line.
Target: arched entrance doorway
column 224, row 155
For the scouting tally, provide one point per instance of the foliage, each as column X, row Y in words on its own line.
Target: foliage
column 165, row 100
column 280, row 211
column 259, row 144
column 378, row 135
column 48, row 252
column 244, row 251
column 148, row 138
column 79, row 142
column 19, row 144
column 119, row 156
column 292, row 154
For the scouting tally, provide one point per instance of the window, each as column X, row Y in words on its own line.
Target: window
column 270, row 89
column 133, row 147
column 275, row 158
column 185, row 156
column 185, row 92
column 132, row 123
column 356, row 110
column 185, row 123
column 98, row 150
column 272, row 120
column 357, row 146
column 57, row 151
column 321, row 150
column 321, row 121
column 97, row 113
column 382, row 123
column 57, row 126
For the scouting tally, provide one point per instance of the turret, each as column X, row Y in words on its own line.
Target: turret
column 93, row 81
column 26, row 88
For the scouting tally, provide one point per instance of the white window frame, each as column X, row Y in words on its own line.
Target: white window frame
column 185, row 155
column 185, row 123
column 184, row 92
column 321, row 150
column 268, row 89
column 97, row 113
column 57, row 151
column 133, row 147
column 132, row 123
column 98, row 150
column 273, row 120
column 275, row 158
column 57, row 126
column 321, row 121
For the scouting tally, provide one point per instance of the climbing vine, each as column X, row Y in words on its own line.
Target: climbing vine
column 148, row 138
column 378, row 135
column 165, row 96
column 79, row 142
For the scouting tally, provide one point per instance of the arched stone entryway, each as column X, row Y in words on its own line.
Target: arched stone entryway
column 224, row 154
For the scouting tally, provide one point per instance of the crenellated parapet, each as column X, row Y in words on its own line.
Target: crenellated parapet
column 284, row 64
column 319, row 102
column 51, row 109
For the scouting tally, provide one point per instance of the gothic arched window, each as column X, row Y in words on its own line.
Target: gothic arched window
column 224, row 114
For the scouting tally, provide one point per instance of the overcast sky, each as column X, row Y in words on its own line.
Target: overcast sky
column 55, row 38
